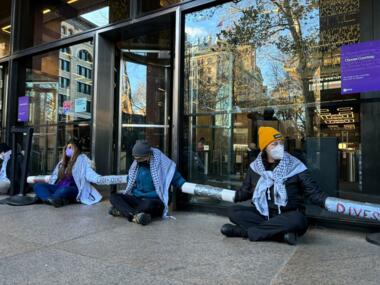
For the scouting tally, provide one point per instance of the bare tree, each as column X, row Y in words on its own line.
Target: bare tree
column 290, row 26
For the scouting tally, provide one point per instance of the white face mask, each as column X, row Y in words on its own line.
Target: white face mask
column 2, row 156
column 277, row 152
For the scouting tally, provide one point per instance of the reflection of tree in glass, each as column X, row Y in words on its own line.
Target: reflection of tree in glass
column 138, row 100
column 288, row 99
column 292, row 27
column 126, row 98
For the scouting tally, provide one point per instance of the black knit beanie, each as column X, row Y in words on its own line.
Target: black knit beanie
column 141, row 148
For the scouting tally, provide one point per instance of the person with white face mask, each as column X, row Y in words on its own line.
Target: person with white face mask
column 70, row 180
column 6, row 171
column 276, row 182
column 147, row 193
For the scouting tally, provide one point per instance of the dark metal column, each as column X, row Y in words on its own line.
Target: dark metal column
column 103, row 105
column 176, row 121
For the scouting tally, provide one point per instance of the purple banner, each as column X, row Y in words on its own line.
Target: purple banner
column 23, row 109
column 360, row 67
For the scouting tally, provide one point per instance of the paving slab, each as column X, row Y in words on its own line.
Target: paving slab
column 44, row 224
column 50, row 266
column 332, row 257
column 10, row 246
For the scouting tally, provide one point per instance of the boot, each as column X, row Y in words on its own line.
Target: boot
column 142, row 219
column 115, row 212
column 230, row 230
column 58, row 202
column 290, row 238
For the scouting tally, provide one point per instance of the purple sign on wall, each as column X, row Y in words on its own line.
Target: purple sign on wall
column 360, row 67
column 23, row 109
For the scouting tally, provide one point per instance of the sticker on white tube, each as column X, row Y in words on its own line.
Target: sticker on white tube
column 112, row 179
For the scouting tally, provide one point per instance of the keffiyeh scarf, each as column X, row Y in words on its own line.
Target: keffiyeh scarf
column 288, row 167
column 162, row 170
column 3, row 170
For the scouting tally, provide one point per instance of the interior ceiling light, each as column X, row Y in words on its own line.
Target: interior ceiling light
column 6, row 29
column 345, row 109
column 46, row 11
column 71, row 1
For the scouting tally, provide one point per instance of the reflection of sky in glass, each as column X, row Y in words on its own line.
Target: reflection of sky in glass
column 98, row 17
column 137, row 77
column 199, row 26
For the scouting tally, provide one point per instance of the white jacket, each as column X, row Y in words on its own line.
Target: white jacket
column 83, row 175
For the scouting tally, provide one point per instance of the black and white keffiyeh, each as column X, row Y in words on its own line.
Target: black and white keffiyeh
column 162, row 170
column 3, row 170
column 288, row 167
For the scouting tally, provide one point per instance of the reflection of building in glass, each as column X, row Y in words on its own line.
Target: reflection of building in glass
column 75, row 74
column 223, row 81
column 339, row 25
column 223, row 78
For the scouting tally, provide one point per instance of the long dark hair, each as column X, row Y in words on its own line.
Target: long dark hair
column 68, row 162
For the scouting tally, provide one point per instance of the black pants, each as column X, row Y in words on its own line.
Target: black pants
column 259, row 227
column 130, row 205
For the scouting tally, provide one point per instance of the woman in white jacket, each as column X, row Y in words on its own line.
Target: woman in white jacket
column 70, row 180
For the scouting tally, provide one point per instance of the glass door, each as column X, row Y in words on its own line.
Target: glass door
column 144, row 94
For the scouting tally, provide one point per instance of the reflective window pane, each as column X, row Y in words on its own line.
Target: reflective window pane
column 145, row 6
column 48, row 20
column 55, row 91
column 145, row 90
column 48, row 143
column 5, row 27
column 145, row 75
column 250, row 64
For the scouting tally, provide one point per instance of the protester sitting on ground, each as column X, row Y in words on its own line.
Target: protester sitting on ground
column 6, row 169
column 147, row 192
column 276, row 182
column 70, row 180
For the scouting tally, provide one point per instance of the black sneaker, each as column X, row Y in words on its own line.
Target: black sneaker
column 230, row 230
column 58, row 202
column 142, row 219
column 55, row 202
column 115, row 212
column 290, row 238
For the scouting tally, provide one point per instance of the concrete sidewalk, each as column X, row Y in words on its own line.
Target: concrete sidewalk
column 79, row 244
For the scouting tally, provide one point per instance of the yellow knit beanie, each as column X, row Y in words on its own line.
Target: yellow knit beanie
column 268, row 135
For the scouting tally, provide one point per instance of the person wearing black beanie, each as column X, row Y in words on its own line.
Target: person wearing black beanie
column 147, row 192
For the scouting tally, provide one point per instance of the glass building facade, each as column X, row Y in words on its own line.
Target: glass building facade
column 196, row 79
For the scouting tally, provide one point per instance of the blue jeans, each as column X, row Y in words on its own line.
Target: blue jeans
column 45, row 191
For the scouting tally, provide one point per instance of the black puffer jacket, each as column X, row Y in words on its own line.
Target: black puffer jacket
column 298, row 187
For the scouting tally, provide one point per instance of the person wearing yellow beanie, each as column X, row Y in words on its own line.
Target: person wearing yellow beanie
column 276, row 182
column 268, row 135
